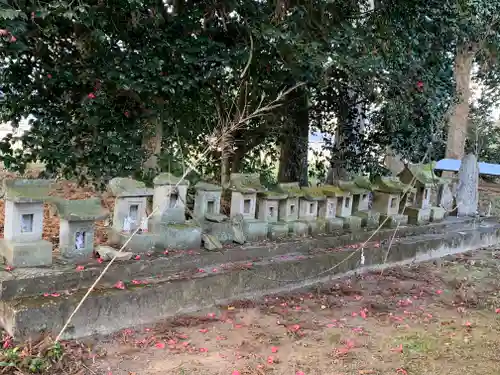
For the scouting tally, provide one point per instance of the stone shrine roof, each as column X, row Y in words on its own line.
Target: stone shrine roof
column 127, row 187
column 272, row 195
column 205, row 186
column 314, row 193
column 333, row 191
column 351, row 187
column 292, row 189
column 390, row 185
column 169, row 179
column 363, row 182
column 80, row 210
column 27, row 191
column 246, row 183
column 424, row 174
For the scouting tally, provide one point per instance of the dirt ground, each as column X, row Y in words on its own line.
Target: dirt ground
column 433, row 318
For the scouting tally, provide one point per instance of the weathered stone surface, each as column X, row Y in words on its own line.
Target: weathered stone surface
column 27, row 191
column 111, row 310
column 299, row 228
column 27, row 254
column 80, row 210
column 210, row 242
column 238, row 229
column 334, row 224
column 128, row 187
column 418, row 216
column 76, row 239
column 394, row 220
column 467, row 190
column 169, row 179
column 107, row 253
column 207, row 202
column 352, row 222
column 139, row 243
column 246, row 183
column 223, row 231
column 180, row 236
column 437, row 214
column 277, row 230
column 445, row 197
column 369, row 219
column 255, row 230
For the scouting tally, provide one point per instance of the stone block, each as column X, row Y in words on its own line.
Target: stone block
column 334, row 224
column 437, row 214
column 352, row 222
column 139, row 243
column 298, row 228
column 394, row 220
column 207, row 200
column 316, row 227
column 23, row 221
column 180, row 236
column 289, row 209
column 27, row 254
column 169, row 198
column 277, row 230
column 255, row 230
column 76, row 239
column 223, row 231
column 418, row 216
column 369, row 219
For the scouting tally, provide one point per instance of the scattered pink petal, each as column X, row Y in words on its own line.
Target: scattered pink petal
column 215, row 270
column 235, row 372
column 13, row 39
column 204, row 330
column 237, row 326
column 9, row 268
column 185, row 343
column 295, row 327
column 165, row 252
column 100, row 260
column 203, row 350
column 211, row 315
column 160, row 345
column 300, row 373
column 136, row 282
column 80, row 268
column 270, row 360
column 220, row 338
column 171, row 342
column 274, row 349
column 399, row 349
column 200, row 270
column 468, row 324
column 497, row 311
column 55, row 294
column 46, row 294
column 49, row 76
column 401, row 371
column 137, row 257
column 354, row 313
column 4, row 32
column 120, row 285
column 91, row 96
column 363, row 314
column 439, row 291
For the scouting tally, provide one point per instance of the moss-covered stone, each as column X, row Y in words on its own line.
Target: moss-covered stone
column 128, row 187
column 205, row 186
column 27, row 191
column 333, row 191
column 246, row 183
column 351, row 187
column 79, row 210
column 363, row 182
column 292, row 189
column 314, row 193
column 424, row 173
column 169, row 179
column 272, row 195
column 390, row 185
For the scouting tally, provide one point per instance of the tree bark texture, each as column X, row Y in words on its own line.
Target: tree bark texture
column 457, row 128
column 293, row 166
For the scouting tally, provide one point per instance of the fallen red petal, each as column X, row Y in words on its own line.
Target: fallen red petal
column 274, row 349
column 160, row 345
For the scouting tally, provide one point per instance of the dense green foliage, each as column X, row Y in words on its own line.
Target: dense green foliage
column 109, row 83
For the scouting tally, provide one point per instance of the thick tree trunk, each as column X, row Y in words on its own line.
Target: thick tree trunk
column 153, row 144
column 294, row 146
column 457, row 128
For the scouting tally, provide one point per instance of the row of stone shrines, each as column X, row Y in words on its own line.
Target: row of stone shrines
column 256, row 213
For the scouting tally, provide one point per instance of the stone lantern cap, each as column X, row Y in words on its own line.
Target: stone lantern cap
column 128, row 188
column 205, row 186
column 246, row 183
column 424, row 174
column 292, row 189
column 314, row 193
column 169, row 179
column 390, row 185
column 363, row 182
column 80, row 210
column 351, row 187
column 331, row 191
column 272, row 195
column 27, row 191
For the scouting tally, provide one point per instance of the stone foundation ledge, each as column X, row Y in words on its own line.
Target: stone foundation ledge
column 24, row 282
column 109, row 310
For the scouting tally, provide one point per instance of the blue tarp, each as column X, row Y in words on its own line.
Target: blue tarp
column 454, row 165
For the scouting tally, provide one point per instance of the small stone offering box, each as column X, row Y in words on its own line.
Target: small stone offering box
column 76, row 229
column 23, row 245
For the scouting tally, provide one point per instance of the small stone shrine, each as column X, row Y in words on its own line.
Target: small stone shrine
column 131, row 201
column 268, row 210
column 424, row 179
column 244, row 189
column 327, row 211
column 362, row 207
column 169, row 214
column 76, row 228
column 207, row 205
column 308, row 209
column 344, row 205
column 289, row 208
column 387, row 200
column 23, row 245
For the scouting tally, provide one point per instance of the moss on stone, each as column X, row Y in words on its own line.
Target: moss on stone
column 424, row 173
column 351, row 187
column 363, row 182
column 333, row 191
column 205, row 186
column 272, row 195
column 292, row 189
column 79, row 210
column 389, row 185
column 27, row 191
column 314, row 193
column 128, row 187
column 169, row 179
column 246, row 183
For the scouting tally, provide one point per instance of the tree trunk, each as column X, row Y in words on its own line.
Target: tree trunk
column 154, row 144
column 294, row 145
column 457, row 128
